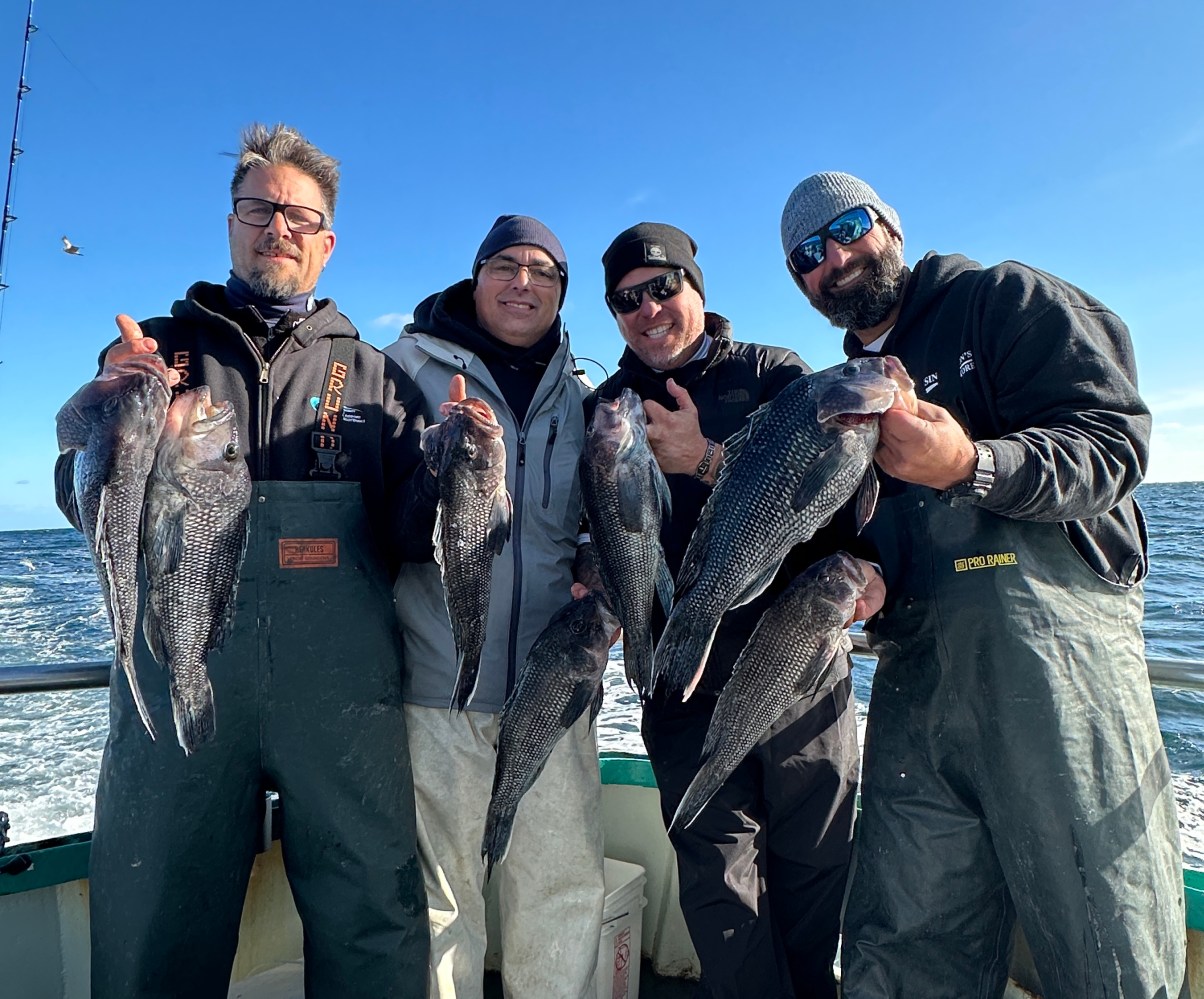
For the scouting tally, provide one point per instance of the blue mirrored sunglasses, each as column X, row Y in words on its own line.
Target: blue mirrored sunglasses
column 846, row 229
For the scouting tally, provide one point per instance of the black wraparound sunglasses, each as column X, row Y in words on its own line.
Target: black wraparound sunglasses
column 845, row 229
column 660, row 288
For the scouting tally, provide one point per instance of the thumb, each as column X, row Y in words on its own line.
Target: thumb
column 128, row 328
column 457, row 391
column 680, row 396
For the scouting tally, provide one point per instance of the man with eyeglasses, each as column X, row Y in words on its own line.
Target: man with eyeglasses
column 1013, row 762
column 762, row 870
column 498, row 336
column 307, row 685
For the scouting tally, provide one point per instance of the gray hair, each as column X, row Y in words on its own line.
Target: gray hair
column 281, row 145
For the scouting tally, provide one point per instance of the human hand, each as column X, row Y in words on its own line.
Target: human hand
column 874, row 596
column 929, row 448
column 134, row 343
column 457, row 392
column 676, row 440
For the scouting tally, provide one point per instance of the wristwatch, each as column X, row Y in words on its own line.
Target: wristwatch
column 975, row 489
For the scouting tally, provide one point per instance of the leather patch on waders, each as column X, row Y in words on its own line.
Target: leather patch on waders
column 309, row 553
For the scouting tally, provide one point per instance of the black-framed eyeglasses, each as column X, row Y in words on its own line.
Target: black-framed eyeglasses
column 845, row 229
column 660, row 289
column 507, row 268
column 299, row 219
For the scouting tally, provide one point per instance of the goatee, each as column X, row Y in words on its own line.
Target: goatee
column 871, row 301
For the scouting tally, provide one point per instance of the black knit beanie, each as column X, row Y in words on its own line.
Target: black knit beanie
column 651, row 244
column 522, row 230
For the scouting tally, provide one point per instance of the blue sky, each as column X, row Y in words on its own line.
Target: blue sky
column 1067, row 135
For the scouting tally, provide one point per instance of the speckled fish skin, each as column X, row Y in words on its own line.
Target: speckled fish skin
column 194, row 537
column 113, row 424
column 472, row 525
column 560, row 679
column 798, row 639
column 626, row 498
column 799, row 458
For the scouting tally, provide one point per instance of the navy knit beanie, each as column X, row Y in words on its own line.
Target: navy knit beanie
column 651, row 244
column 522, row 230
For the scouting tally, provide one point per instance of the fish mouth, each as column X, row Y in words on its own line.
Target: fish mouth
column 481, row 413
column 150, row 364
column 864, row 394
column 196, row 411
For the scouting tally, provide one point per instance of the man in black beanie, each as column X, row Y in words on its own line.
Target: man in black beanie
column 498, row 336
column 763, row 868
column 1013, row 761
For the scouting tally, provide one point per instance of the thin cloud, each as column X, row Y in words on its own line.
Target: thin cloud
column 638, row 198
column 21, row 482
column 394, row 320
column 1176, row 401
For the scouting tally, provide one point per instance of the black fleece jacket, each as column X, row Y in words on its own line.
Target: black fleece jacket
column 1045, row 375
column 212, row 343
column 726, row 386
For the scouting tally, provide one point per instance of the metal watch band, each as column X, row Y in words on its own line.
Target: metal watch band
column 704, row 466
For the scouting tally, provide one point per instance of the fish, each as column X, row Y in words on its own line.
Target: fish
column 472, row 525
column 798, row 639
column 560, row 680
column 113, row 424
column 194, row 538
column 798, row 459
column 626, row 499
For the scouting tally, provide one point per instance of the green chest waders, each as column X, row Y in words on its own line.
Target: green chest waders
column 307, row 695
column 1013, row 766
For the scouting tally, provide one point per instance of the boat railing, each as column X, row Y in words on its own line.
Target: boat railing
column 35, row 678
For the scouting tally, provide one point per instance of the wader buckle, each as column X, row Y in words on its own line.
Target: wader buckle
column 326, row 447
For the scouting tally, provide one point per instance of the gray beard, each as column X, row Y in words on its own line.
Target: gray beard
column 871, row 301
column 271, row 288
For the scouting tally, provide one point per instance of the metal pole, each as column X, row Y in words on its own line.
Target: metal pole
column 15, row 150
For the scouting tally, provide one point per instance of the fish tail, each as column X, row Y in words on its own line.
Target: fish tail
column 702, row 789
column 638, row 662
column 467, row 674
column 682, row 653
column 127, row 667
column 496, row 842
column 192, row 709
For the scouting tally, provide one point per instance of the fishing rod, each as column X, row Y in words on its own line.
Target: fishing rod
column 15, row 150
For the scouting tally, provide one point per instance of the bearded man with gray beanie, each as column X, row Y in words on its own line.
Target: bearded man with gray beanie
column 497, row 336
column 1013, row 764
column 762, row 870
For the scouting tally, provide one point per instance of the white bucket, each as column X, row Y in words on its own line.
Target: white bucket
column 618, row 974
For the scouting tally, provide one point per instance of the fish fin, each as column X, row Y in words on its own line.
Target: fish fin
column 497, row 531
column 758, row 585
column 595, row 706
column 867, row 497
column 163, row 538
column 661, row 487
column 467, row 675
column 123, row 656
column 629, row 482
column 679, row 659
column 581, row 699
column 431, row 443
column 735, row 444
column 192, row 710
column 826, row 466
column 223, row 624
column 664, row 583
column 701, row 790
column 437, row 541
column 702, row 665
column 152, row 631
column 495, row 844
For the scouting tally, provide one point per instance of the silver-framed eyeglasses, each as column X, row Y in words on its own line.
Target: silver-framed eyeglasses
column 507, row 268
column 299, row 219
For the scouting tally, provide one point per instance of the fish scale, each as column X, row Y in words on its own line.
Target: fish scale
column 626, row 498
column 796, row 642
column 784, row 475
column 113, row 424
column 194, row 538
column 560, row 678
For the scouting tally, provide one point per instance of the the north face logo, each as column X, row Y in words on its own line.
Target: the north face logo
column 654, row 251
column 734, row 395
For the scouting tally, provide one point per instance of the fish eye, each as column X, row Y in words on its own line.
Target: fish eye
column 230, row 451
column 849, row 370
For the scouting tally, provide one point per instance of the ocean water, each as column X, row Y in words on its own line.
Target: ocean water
column 51, row 611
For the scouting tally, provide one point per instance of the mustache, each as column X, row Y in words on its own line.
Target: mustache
column 278, row 247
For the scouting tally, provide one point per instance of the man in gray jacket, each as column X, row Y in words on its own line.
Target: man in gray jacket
column 497, row 336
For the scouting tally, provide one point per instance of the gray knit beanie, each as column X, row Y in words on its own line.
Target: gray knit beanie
column 821, row 198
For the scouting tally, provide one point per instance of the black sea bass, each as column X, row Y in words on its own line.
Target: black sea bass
column 194, row 537
column 467, row 453
column 626, row 497
column 790, row 652
column 798, row 460
column 113, row 423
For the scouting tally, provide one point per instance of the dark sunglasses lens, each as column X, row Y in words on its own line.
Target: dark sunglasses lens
column 664, row 286
column 808, row 255
column 851, row 226
column 627, row 300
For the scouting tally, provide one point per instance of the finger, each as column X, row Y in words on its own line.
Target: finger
column 579, row 591
column 458, row 390
column 680, row 395
column 654, row 411
column 128, row 328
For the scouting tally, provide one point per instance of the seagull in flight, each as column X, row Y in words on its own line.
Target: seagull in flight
column 70, row 247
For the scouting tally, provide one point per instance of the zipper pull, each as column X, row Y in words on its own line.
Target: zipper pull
column 263, row 374
column 522, row 449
